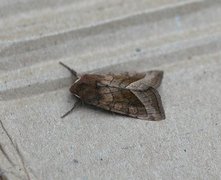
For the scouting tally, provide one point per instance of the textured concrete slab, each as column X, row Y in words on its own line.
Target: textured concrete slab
column 183, row 38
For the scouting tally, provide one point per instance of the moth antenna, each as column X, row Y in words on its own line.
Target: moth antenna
column 73, row 72
column 75, row 105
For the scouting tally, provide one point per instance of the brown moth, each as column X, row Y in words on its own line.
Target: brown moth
column 133, row 95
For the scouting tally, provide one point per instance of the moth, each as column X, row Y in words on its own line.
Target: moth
column 134, row 95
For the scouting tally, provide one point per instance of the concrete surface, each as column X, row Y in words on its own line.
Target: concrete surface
column 181, row 37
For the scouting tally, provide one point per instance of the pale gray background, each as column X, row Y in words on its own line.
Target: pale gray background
column 181, row 37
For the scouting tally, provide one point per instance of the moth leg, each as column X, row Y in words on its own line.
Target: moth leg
column 75, row 105
column 68, row 68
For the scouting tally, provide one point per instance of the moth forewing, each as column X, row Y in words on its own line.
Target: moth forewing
column 151, row 79
column 145, row 104
column 151, row 100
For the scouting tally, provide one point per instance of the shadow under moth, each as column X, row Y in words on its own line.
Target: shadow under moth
column 134, row 95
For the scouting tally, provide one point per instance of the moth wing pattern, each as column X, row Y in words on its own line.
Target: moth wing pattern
column 145, row 104
column 138, row 81
column 131, row 94
column 151, row 79
column 151, row 100
column 121, row 80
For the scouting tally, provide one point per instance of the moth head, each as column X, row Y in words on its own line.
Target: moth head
column 84, row 88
